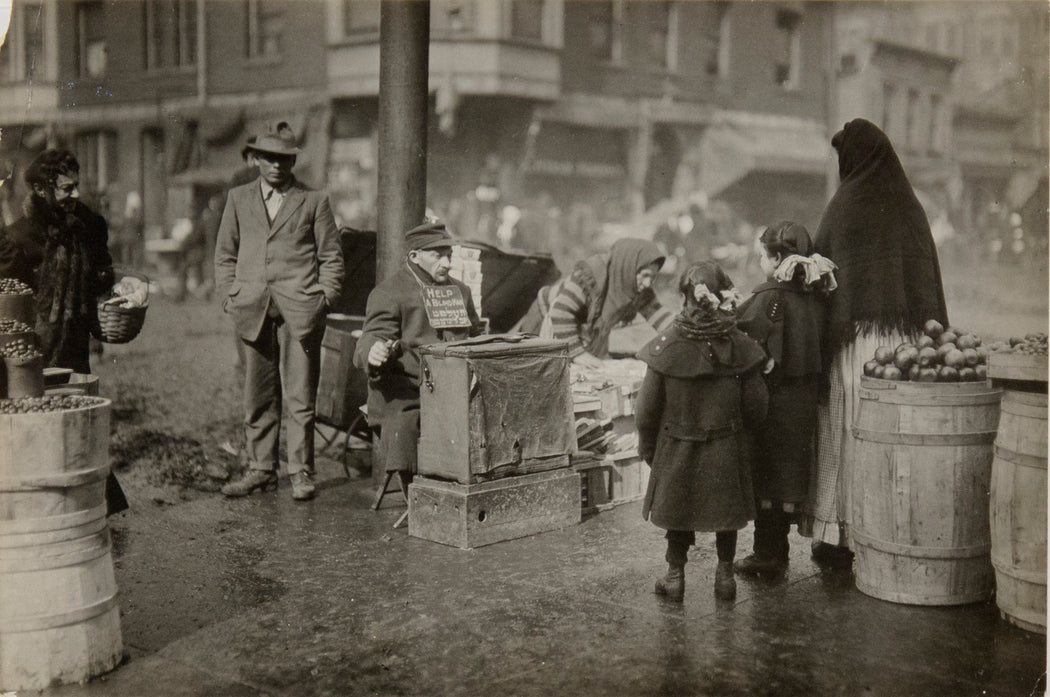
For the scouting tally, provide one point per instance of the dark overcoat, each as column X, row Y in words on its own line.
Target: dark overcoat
column 786, row 320
column 395, row 311
column 22, row 248
column 695, row 409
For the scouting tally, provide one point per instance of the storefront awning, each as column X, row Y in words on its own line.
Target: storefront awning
column 728, row 152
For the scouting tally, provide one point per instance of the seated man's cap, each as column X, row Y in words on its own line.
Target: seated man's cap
column 428, row 236
column 279, row 141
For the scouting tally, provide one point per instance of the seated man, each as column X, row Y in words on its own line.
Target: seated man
column 401, row 316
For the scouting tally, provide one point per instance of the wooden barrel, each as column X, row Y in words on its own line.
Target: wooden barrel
column 922, row 469
column 59, row 620
column 1018, row 510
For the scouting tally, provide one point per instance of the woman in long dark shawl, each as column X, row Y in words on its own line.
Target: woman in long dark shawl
column 889, row 285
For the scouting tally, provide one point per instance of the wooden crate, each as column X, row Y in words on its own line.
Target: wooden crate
column 595, row 484
column 342, row 388
column 1017, row 366
column 477, row 425
column 630, row 476
column 474, row 515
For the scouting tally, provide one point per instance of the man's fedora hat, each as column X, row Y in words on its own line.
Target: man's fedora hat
column 279, row 141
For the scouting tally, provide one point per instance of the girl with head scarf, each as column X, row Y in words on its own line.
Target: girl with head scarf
column 602, row 291
column 702, row 389
column 889, row 285
column 784, row 316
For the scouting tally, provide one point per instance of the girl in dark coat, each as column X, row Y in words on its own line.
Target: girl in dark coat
column 889, row 285
column 702, row 389
column 784, row 315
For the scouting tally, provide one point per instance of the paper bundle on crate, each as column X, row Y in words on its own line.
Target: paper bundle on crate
column 466, row 268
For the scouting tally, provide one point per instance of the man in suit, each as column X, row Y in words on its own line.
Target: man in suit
column 398, row 320
column 278, row 268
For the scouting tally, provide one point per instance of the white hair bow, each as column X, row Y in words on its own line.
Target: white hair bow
column 816, row 267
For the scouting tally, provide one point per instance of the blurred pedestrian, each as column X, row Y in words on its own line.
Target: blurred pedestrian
column 59, row 249
column 785, row 316
column 397, row 323
column 602, row 291
column 702, row 391
column 278, row 269
column 889, row 285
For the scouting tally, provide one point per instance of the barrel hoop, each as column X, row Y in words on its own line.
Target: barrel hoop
column 932, row 400
column 1017, row 407
column 38, row 623
column 90, row 548
column 919, row 552
column 1034, row 399
column 45, row 537
column 1004, row 567
column 56, row 522
column 64, row 480
column 1020, row 459
column 977, row 438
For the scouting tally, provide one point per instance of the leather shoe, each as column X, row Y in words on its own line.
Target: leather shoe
column 759, row 564
column 832, row 556
column 725, row 584
column 303, row 488
column 252, row 480
column 673, row 584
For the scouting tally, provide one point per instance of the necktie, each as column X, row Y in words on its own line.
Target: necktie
column 273, row 204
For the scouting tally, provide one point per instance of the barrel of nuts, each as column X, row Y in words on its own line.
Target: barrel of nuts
column 24, row 366
column 16, row 300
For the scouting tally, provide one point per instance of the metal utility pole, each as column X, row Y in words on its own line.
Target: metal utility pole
column 404, row 65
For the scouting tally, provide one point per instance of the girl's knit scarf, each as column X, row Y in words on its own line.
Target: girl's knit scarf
column 705, row 323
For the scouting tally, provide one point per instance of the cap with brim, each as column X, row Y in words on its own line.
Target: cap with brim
column 428, row 236
column 278, row 142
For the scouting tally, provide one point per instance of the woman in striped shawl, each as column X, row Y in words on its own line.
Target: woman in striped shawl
column 602, row 291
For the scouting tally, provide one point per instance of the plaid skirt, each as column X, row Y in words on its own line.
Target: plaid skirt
column 828, row 507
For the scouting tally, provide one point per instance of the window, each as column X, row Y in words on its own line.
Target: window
column 1009, row 44
column 455, row 16
column 171, row 33
column 912, row 120
column 526, row 19
column 889, row 121
column 937, row 139
column 264, row 26
column 602, row 32
column 787, row 68
column 662, row 44
column 712, row 33
column 32, row 38
column 97, row 153
column 91, row 41
column 360, row 16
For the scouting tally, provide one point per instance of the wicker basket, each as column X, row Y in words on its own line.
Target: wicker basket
column 119, row 325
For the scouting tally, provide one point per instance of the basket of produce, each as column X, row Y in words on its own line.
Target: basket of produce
column 122, row 313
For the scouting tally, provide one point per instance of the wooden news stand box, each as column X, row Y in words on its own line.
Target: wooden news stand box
column 496, row 432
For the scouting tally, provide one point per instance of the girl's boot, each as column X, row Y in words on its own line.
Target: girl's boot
column 672, row 586
column 725, row 583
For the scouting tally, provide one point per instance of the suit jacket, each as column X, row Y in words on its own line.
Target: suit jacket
column 296, row 263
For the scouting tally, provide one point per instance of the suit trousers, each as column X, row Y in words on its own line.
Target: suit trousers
column 278, row 364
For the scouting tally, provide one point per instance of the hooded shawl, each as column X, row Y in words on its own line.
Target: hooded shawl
column 611, row 283
column 877, row 233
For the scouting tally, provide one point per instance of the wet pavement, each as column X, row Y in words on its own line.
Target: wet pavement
column 266, row 596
